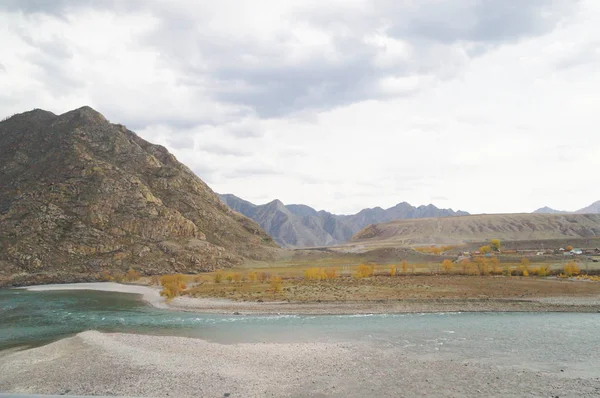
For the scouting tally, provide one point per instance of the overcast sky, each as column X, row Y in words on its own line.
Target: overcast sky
column 480, row 105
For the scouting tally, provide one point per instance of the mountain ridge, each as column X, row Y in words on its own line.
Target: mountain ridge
column 594, row 208
column 299, row 225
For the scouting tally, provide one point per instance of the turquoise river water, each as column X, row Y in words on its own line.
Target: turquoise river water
column 543, row 341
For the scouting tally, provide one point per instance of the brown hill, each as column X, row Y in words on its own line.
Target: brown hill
column 80, row 195
column 477, row 228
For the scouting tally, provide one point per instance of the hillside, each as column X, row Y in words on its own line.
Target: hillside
column 477, row 228
column 302, row 226
column 81, row 195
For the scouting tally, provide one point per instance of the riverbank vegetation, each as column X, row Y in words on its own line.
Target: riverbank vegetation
column 477, row 279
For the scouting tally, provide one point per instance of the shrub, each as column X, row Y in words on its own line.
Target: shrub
column 252, row 276
column 525, row 272
column 236, row 277
column 393, row 270
column 229, row 277
column 262, row 276
column 218, row 277
column 132, row 275
column 105, row 276
column 119, row 277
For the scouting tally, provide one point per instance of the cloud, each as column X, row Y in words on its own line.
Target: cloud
column 340, row 105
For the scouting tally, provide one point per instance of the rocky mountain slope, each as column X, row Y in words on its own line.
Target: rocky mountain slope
column 477, row 228
column 594, row 208
column 303, row 226
column 80, row 195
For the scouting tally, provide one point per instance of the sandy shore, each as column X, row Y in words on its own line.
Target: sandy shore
column 149, row 294
column 137, row 365
column 208, row 305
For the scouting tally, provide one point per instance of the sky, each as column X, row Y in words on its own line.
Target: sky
column 481, row 105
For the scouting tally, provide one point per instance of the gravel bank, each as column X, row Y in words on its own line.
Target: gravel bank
column 136, row 365
column 148, row 293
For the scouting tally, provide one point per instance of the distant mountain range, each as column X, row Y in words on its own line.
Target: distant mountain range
column 302, row 226
column 594, row 208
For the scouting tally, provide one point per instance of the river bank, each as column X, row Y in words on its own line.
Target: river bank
column 222, row 306
column 96, row 363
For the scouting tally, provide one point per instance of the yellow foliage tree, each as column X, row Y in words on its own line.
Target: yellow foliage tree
column 485, row 249
column 172, row 285
column 364, row 271
column 331, row 273
column 404, row 265
column 276, row 284
column 571, row 269
column 495, row 266
column 393, row 269
column 495, row 244
column 252, row 276
column 447, row 266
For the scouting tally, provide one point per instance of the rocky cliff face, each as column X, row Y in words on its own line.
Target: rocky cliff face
column 303, row 226
column 80, row 195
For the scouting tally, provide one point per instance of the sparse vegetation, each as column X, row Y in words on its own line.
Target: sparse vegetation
column 132, row 275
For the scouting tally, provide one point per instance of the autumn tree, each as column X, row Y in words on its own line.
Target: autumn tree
column 447, row 266
column 485, row 249
column 393, row 269
column 404, row 265
column 524, row 267
column 495, row 244
column 569, row 248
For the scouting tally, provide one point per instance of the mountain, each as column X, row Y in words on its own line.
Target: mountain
column 478, row 228
column 81, row 196
column 594, row 208
column 548, row 210
column 302, row 226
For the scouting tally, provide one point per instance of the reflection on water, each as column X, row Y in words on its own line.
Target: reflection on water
column 536, row 340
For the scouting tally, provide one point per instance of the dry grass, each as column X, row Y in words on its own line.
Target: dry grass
column 395, row 288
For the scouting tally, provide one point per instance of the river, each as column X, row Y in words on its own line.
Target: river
column 540, row 341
